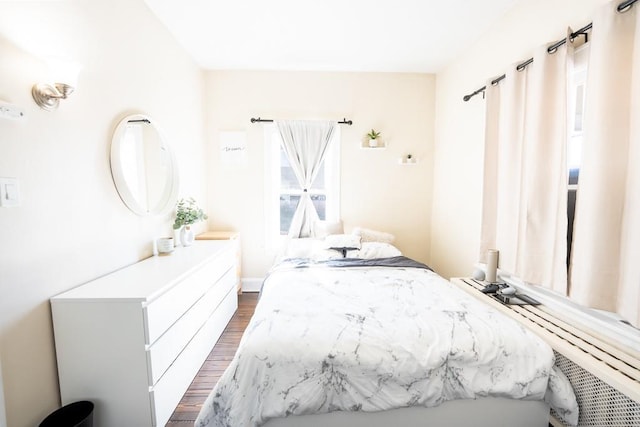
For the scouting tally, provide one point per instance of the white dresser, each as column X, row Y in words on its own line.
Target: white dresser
column 133, row 340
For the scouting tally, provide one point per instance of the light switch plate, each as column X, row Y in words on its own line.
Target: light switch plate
column 9, row 192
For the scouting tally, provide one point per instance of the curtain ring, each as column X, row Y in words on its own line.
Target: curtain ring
column 625, row 6
column 521, row 67
column 305, row 190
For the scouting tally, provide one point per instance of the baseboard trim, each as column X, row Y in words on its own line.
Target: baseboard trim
column 251, row 284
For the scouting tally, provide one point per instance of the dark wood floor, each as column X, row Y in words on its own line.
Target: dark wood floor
column 217, row 361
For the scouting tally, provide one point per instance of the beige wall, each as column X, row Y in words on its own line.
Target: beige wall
column 455, row 226
column 72, row 226
column 376, row 192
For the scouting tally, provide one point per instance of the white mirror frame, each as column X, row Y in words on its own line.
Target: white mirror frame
column 170, row 193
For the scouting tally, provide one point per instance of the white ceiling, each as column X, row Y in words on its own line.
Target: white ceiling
column 328, row 35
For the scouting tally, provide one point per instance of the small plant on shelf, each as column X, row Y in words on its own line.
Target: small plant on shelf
column 373, row 134
column 373, row 138
column 187, row 213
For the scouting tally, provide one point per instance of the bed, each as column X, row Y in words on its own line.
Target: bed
column 373, row 340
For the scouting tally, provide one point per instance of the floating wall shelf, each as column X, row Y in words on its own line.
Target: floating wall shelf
column 407, row 162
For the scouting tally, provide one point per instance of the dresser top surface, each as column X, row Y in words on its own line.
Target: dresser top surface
column 217, row 235
column 147, row 279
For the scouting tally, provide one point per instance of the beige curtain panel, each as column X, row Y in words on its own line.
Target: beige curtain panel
column 525, row 174
column 605, row 259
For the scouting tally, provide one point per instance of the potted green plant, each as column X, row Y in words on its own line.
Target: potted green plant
column 187, row 213
column 373, row 138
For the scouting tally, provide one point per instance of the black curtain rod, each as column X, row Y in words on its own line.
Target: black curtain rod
column 622, row 7
column 259, row 120
column 139, row 121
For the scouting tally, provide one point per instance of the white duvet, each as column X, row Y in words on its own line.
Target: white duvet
column 370, row 339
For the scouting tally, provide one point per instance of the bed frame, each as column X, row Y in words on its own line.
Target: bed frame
column 488, row 412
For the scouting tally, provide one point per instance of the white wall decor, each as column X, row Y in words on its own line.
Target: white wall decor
column 233, row 147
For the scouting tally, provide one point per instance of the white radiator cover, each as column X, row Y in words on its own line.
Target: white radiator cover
column 605, row 379
column 600, row 404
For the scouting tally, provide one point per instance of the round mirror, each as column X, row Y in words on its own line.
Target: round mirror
column 143, row 167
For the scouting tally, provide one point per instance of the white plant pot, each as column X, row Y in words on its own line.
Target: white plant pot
column 186, row 236
column 373, row 143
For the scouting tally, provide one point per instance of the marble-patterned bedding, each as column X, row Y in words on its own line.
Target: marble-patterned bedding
column 326, row 339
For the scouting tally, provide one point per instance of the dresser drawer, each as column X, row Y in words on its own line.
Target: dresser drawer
column 163, row 312
column 164, row 351
column 166, row 394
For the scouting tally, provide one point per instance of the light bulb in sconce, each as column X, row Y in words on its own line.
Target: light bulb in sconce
column 64, row 78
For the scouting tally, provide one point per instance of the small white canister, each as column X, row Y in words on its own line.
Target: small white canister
column 492, row 265
column 165, row 245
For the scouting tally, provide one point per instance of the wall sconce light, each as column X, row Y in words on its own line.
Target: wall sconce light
column 48, row 95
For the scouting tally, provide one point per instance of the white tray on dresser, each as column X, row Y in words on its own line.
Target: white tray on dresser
column 133, row 340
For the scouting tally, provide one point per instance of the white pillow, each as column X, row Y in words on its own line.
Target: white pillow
column 371, row 250
column 368, row 235
column 325, row 228
column 308, row 248
column 326, row 254
column 300, row 248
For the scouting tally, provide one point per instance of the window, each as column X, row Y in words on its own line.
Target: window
column 282, row 192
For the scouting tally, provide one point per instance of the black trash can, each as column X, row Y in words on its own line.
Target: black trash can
column 76, row 414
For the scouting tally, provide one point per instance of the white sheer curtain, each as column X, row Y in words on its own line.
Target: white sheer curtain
column 525, row 175
column 605, row 257
column 305, row 143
